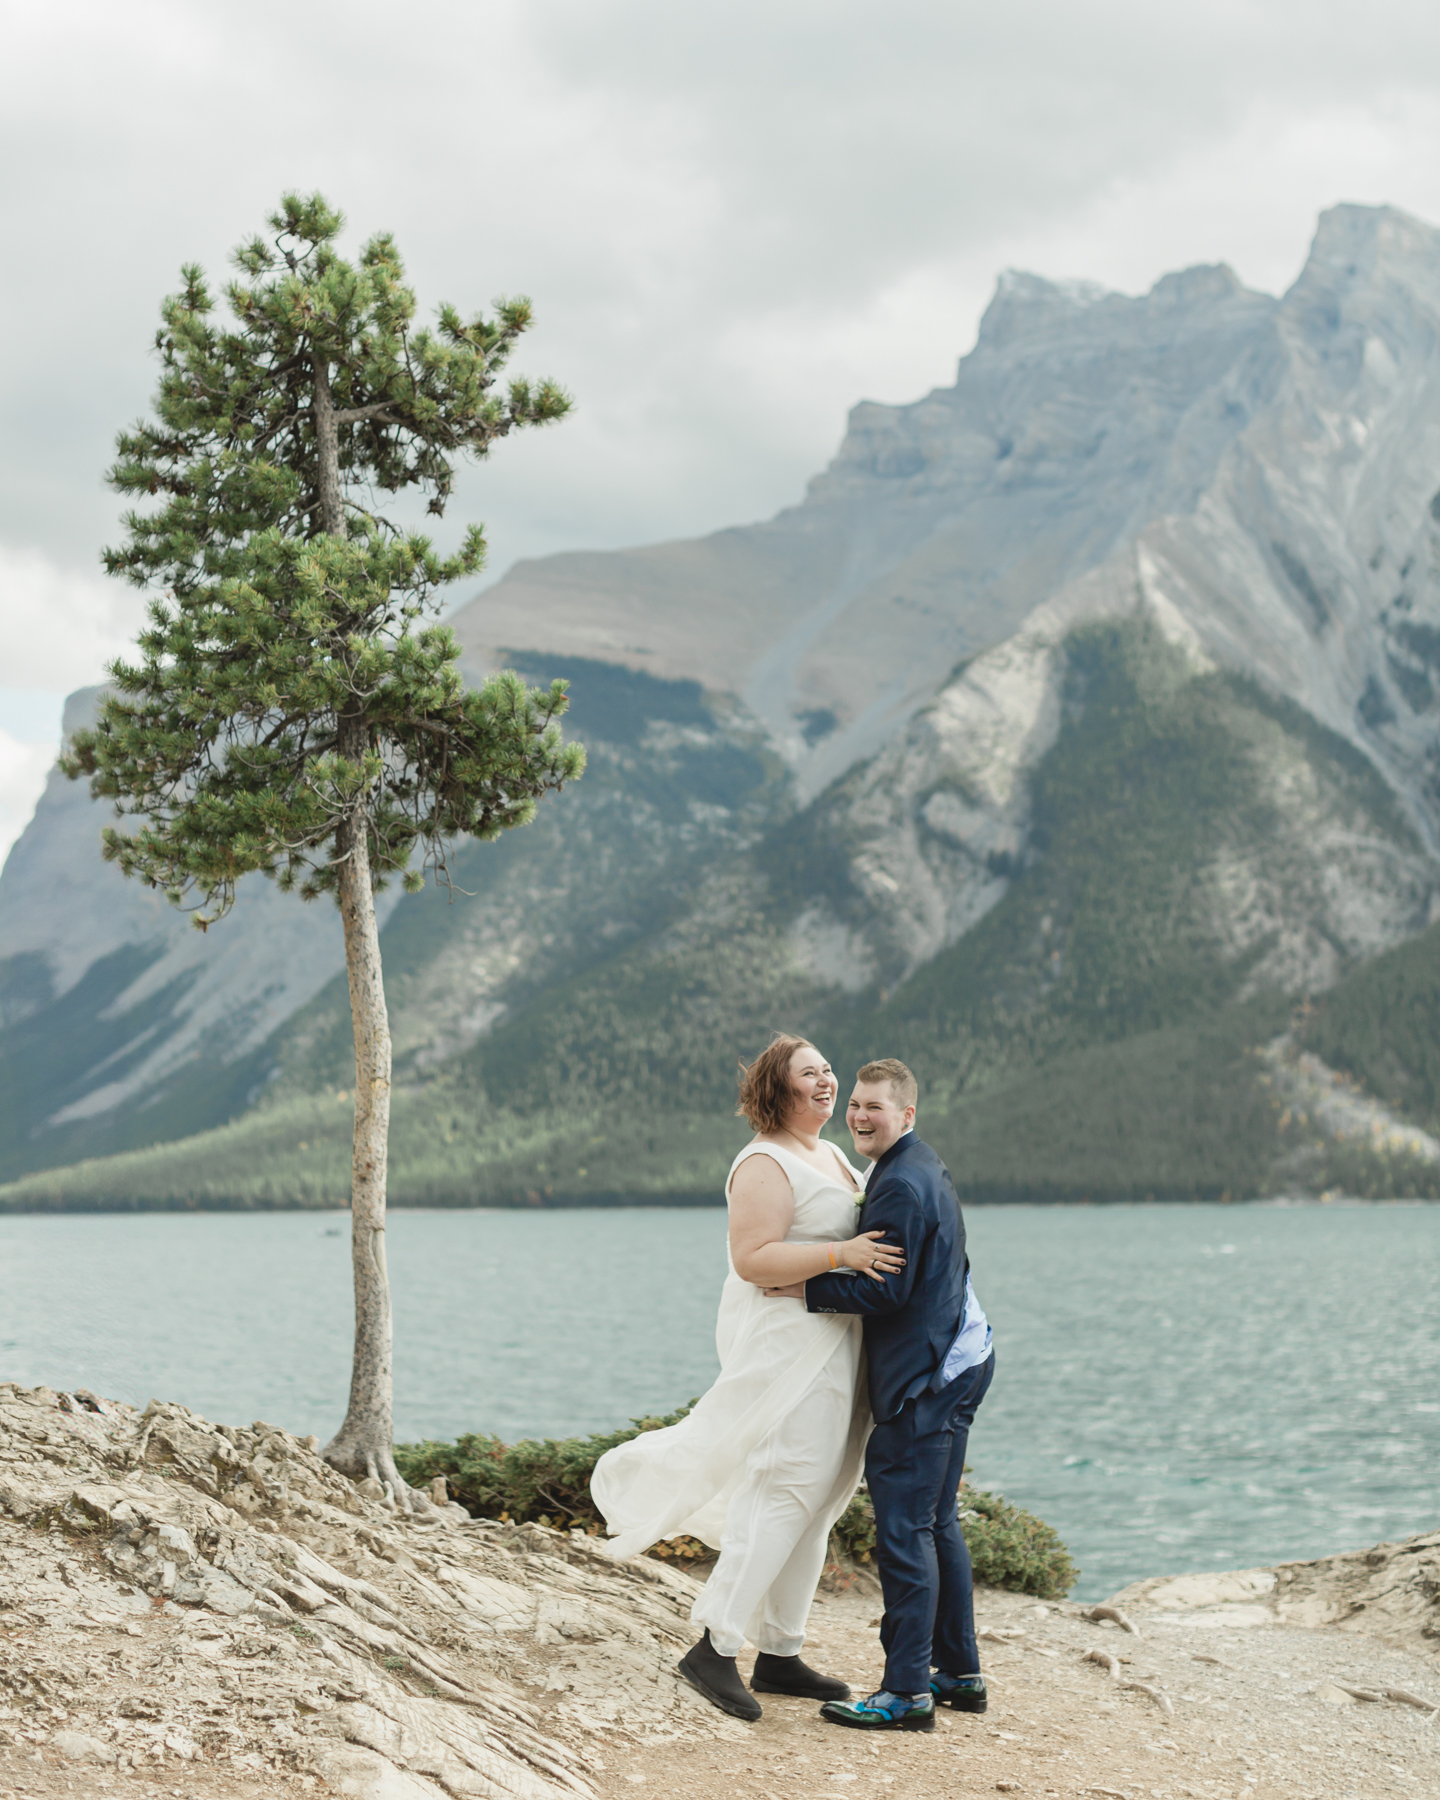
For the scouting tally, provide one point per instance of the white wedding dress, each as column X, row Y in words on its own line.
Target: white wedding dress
column 771, row 1455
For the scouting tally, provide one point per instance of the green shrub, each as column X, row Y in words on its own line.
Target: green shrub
column 1009, row 1547
column 548, row 1481
column 853, row 1538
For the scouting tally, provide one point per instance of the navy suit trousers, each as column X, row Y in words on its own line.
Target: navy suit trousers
column 913, row 1467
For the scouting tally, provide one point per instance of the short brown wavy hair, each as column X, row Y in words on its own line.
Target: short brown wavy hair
column 902, row 1083
column 765, row 1090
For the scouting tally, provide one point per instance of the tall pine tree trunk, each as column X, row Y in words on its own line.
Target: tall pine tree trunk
column 362, row 1446
column 327, row 454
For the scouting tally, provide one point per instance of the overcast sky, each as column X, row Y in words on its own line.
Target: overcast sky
column 735, row 220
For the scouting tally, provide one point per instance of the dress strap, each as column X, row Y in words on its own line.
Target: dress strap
column 778, row 1151
column 758, row 1149
column 848, row 1172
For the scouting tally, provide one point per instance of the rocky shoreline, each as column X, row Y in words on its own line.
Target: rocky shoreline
column 193, row 1610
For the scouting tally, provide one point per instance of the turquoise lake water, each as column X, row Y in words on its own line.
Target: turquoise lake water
column 1177, row 1388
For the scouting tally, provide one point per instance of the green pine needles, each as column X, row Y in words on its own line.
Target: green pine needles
column 293, row 674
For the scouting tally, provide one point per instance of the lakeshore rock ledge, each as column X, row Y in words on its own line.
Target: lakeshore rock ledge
column 208, row 1610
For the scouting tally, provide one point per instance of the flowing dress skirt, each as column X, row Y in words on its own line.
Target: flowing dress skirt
column 760, row 1470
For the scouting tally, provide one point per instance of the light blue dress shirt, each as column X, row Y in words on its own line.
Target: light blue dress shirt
column 974, row 1341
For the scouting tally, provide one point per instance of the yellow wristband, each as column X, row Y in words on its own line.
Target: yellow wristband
column 834, row 1264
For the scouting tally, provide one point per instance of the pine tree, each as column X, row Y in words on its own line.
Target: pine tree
column 295, row 707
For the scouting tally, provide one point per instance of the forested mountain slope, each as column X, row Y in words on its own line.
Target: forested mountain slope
column 1075, row 738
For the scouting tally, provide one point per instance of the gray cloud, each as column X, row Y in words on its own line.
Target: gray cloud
column 735, row 220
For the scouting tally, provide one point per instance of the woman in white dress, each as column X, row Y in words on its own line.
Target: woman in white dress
column 770, row 1457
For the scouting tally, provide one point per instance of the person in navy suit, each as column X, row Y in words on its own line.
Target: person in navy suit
column 929, row 1350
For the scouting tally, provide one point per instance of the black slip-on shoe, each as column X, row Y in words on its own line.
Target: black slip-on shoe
column 717, row 1678
column 949, row 1692
column 788, row 1675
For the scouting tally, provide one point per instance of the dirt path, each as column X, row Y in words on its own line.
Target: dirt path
column 1261, row 1715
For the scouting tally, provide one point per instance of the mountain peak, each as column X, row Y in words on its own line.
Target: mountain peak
column 1349, row 228
column 1026, row 305
column 1030, row 310
column 1202, row 284
column 1362, row 245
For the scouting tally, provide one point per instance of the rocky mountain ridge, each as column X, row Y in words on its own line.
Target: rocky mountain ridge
column 1191, row 538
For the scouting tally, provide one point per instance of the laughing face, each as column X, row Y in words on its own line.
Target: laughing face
column 876, row 1119
column 814, row 1087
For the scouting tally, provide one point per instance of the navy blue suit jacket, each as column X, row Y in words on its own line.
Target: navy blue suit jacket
column 911, row 1318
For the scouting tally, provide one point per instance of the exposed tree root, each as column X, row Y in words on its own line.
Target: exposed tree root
column 1406, row 1698
column 1157, row 1694
column 374, row 1473
column 1115, row 1616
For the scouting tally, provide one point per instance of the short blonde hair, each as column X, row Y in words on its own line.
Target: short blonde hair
column 902, row 1083
column 766, row 1093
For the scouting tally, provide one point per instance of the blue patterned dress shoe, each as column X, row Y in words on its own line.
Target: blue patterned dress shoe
column 883, row 1712
column 963, row 1693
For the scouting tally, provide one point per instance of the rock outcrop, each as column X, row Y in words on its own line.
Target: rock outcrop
column 217, row 1607
column 1390, row 1591
column 173, row 1591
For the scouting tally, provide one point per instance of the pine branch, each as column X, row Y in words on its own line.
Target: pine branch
column 378, row 409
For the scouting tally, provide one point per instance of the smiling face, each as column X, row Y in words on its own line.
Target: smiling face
column 876, row 1118
column 814, row 1090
